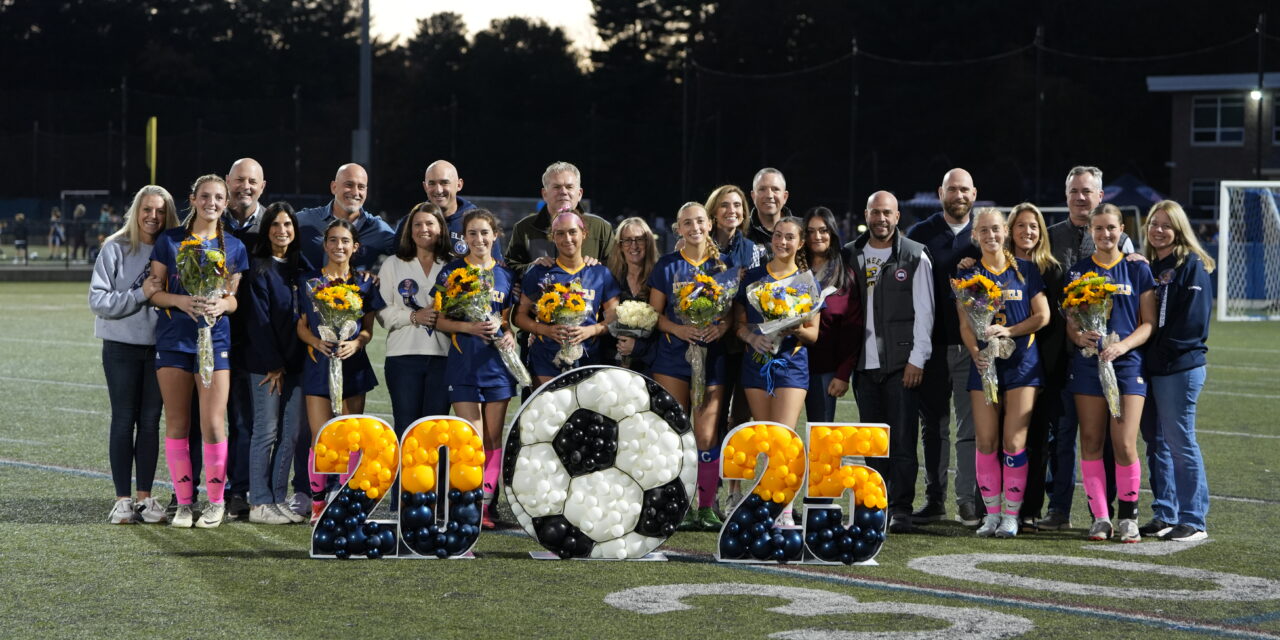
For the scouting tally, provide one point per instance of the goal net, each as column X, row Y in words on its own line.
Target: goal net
column 1249, row 251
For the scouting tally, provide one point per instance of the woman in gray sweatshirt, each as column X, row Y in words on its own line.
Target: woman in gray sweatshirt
column 118, row 295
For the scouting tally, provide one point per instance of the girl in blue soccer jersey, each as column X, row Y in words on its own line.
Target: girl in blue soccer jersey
column 670, row 369
column 357, row 372
column 176, row 358
column 776, row 376
column 1132, row 318
column 481, row 386
column 1025, row 310
column 599, row 291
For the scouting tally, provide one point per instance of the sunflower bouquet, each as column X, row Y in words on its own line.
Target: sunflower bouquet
column 340, row 307
column 785, row 304
column 1088, row 302
column 700, row 303
column 635, row 319
column 982, row 298
column 467, row 295
column 203, row 273
column 565, row 305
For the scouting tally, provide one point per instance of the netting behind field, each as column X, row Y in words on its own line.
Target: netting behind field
column 1249, row 278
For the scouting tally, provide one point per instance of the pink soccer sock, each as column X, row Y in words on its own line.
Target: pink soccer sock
column 316, row 480
column 177, row 452
column 1015, row 481
column 708, row 478
column 492, row 469
column 1128, row 481
column 215, row 470
column 988, row 469
column 1094, row 476
column 353, row 461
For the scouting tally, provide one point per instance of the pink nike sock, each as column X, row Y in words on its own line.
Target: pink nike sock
column 316, row 480
column 215, row 470
column 492, row 469
column 1128, row 481
column 1094, row 475
column 708, row 478
column 177, row 452
column 988, row 469
column 1015, row 481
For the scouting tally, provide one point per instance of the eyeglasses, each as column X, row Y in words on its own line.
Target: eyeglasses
column 635, row 240
column 818, row 231
column 1160, row 227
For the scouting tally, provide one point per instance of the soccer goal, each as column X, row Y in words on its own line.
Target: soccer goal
column 1249, row 250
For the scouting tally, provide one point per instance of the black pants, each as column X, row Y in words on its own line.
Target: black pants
column 882, row 398
column 134, row 438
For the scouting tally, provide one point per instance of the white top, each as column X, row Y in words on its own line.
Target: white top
column 404, row 339
column 921, row 294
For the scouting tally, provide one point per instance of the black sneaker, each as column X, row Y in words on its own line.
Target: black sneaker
column 1185, row 533
column 931, row 512
column 900, row 523
column 1155, row 528
column 968, row 515
column 237, row 507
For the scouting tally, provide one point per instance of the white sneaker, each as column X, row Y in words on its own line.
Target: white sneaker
column 300, row 503
column 122, row 512
column 787, row 519
column 151, row 511
column 267, row 514
column 1127, row 530
column 284, row 510
column 1008, row 526
column 212, row 516
column 990, row 523
column 182, row 517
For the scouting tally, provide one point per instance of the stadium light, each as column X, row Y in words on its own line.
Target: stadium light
column 1256, row 95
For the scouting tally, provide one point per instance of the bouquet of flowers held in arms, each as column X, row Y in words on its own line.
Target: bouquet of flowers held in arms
column 203, row 273
column 467, row 296
column 700, row 303
column 785, row 305
column 982, row 299
column 1088, row 303
column 635, row 319
column 564, row 304
column 339, row 306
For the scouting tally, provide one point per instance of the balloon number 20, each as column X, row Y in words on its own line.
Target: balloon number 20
column 440, row 503
column 750, row 533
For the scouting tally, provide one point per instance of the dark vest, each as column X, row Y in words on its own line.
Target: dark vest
column 895, row 308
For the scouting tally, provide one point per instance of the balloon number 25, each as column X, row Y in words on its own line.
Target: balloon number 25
column 439, row 511
column 750, row 533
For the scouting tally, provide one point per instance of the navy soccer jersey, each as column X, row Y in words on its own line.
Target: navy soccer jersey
column 670, row 358
column 789, row 366
column 357, row 372
column 1132, row 279
column 474, row 361
column 599, row 287
column 1022, row 368
column 175, row 330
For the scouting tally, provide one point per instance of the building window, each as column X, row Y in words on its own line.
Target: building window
column 1217, row 120
column 1204, row 195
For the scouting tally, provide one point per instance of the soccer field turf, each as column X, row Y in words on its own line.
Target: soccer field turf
column 67, row 573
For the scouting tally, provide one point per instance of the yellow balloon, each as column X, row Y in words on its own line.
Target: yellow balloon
column 465, row 477
column 373, row 493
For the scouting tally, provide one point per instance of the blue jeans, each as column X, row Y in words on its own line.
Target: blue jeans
column 1174, row 464
column 240, row 420
column 276, row 419
column 818, row 406
column 134, row 438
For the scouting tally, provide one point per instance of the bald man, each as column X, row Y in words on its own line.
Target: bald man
column 947, row 236
column 895, row 282
column 243, row 216
column 350, row 188
column 441, row 183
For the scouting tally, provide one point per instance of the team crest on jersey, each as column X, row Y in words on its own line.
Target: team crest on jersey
column 1013, row 294
column 1124, row 289
column 900, row 275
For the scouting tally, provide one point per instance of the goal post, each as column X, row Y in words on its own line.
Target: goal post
column 1249, row 250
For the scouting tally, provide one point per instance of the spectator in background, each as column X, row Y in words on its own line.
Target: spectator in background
column 57, row 234
column 20, row 237
column 78, row 233
column 374, row 237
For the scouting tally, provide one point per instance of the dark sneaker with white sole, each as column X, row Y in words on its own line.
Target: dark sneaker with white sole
column 1185, row 533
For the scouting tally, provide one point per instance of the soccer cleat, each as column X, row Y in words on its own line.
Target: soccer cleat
column 151, row 512
column 284, row 510
column 1155, row 528
column 212, row 516
column 1101, row 529
column 1054, row 521
column 1008, row 526
column 690, row 522
column 707, row 519
column 968, row 515
column 1185, row 533
column 787, row 519
column 317, row 509
column 1127, row 530
column 122, row 512
column 486, row 519
column 267, row 514
column 989, row 525
column 182, row 517
column 931, row 512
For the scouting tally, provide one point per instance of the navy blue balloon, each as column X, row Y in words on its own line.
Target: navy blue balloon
column 761, row 549
column 373, row 553
column 730, row 548
column 341, row 554
column 328, row 524
column 323, row 541
column 442, row 553
column 793, row 544
column 340, row 543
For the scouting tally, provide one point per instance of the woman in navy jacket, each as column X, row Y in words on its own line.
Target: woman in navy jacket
column 1175, row 368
